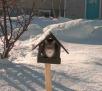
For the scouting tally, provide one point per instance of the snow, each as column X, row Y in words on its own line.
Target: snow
column 76, row 31
column 79, row 71
column 73, row 29
column 33, row 30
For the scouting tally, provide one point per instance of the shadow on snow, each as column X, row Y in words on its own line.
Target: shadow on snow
column 23, row 77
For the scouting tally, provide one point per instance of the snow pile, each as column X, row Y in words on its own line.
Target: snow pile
column 97, row 33
column 32, row 31
column 77, row 31
column 74, row 29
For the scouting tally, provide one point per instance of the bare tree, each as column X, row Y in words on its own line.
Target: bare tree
column 8, row 36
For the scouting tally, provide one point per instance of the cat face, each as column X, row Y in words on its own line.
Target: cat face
column 49, row 48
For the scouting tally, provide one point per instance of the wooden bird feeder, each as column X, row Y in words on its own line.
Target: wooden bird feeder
column 49, row 50
column 49, row 53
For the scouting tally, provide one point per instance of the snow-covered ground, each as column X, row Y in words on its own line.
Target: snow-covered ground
column 81, row 70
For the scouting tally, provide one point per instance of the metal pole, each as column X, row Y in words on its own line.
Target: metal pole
column 100, row 9
column 59, row 8
column 65, row 8
column 85, row 9
column 53, row 8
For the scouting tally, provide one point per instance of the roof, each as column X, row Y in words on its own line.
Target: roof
column 41, row 39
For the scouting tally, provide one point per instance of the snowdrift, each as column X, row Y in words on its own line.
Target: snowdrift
column 80, row 31
column 33, row 30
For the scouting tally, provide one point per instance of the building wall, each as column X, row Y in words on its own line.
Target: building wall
column 75, row 8
column 24, row 3
column 42, row 4
column 38, row 4
column 58, row 7
column 45, row 4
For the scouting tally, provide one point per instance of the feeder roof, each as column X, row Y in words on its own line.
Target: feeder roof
column 45, row 36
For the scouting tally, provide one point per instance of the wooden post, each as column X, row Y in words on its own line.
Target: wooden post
column 48, row 82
